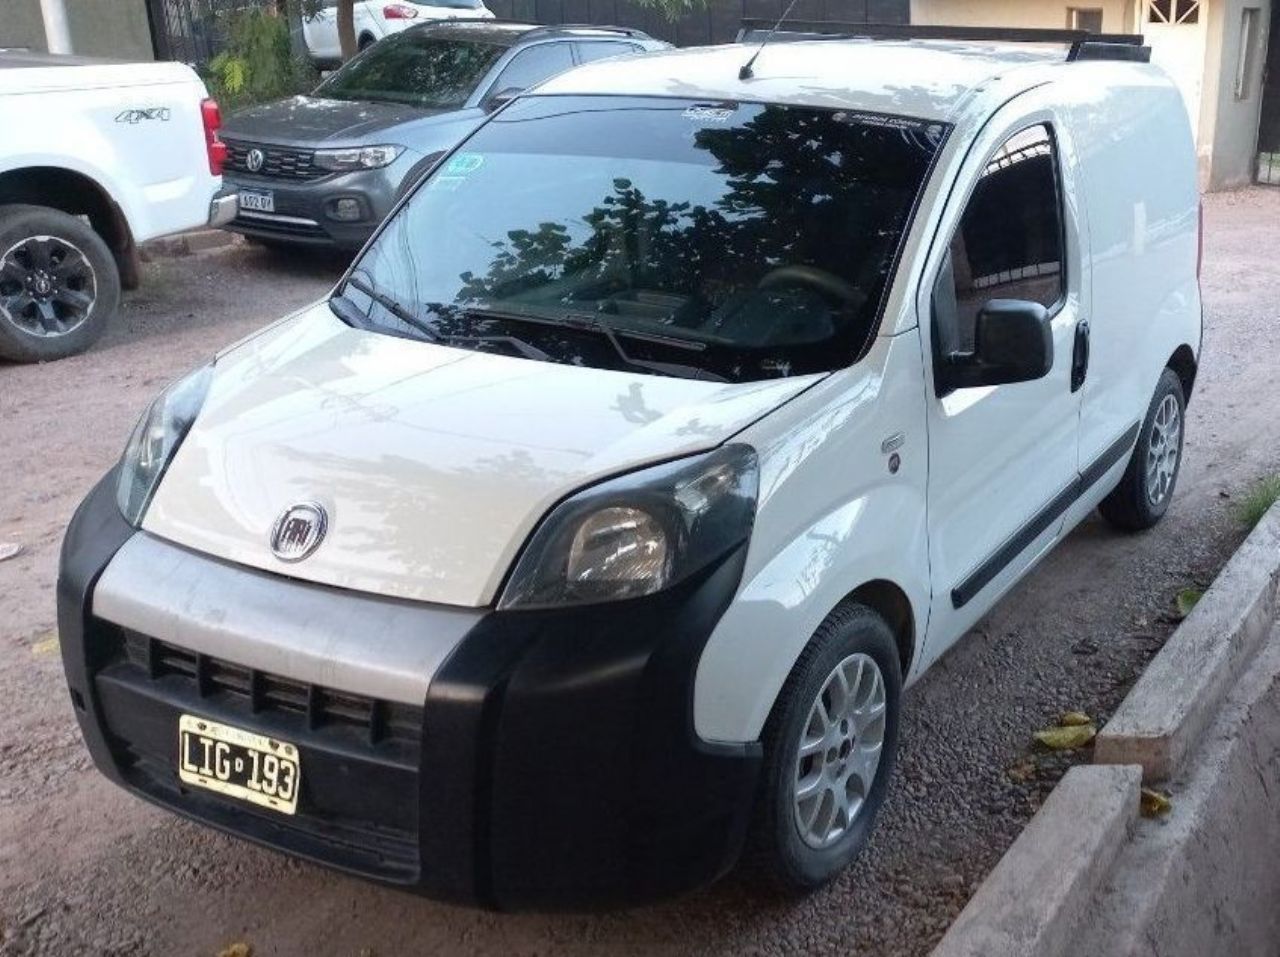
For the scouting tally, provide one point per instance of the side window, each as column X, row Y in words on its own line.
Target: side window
column 1009, row 244
column 533, row 65
column 600, row 49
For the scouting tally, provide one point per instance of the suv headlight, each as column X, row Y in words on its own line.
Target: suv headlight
column 639, row 533
column 358, row 157
column 154, row 440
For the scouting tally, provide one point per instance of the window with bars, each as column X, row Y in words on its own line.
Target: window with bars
column 1173, row 11
column 1084, row 18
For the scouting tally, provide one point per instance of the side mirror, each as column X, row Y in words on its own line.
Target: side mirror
column 1013, row 342
column 501, row 98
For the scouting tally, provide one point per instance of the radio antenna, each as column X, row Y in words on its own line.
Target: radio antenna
column 745, row 73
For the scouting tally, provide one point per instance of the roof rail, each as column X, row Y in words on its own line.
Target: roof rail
column 535, row 28
column 1083, row 44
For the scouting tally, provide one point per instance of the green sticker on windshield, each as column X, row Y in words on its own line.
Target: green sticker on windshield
column 463, row 164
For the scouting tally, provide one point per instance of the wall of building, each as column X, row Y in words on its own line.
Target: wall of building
column 1229, row 125
column 107, row 28
column 1117, row 15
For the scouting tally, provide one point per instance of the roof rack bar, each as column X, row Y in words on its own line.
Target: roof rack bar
column 539, row 27
column 1083, row 44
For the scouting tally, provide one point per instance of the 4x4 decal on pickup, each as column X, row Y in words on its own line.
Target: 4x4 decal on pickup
column 160, row 113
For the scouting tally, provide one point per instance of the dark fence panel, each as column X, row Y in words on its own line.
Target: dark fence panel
column 192, row 31
column 718, row 23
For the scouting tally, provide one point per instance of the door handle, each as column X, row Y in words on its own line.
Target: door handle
column 1080, row 356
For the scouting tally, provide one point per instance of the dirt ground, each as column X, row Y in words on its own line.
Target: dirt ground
column 85, row 868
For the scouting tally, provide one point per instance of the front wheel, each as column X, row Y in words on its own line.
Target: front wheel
column 59, row 285
column 1144, row 493
column 829, row 751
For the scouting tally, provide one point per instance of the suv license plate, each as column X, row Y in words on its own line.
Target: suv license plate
column 257, row 200
column 240, row 764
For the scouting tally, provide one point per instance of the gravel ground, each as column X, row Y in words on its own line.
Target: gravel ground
column 84, row 868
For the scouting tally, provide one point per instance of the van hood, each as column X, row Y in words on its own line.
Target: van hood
column 432, row 463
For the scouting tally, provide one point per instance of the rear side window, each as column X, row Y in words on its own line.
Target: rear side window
column 533, row 65
column 1009, row 244
column 600, row 49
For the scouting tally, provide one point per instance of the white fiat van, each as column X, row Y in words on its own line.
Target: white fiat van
column 589, row 532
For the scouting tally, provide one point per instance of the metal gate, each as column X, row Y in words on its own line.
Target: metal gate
column 193, row 31
column 1269, row 122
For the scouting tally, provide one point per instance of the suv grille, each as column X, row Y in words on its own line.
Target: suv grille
column 266, row 693
column 280, row 162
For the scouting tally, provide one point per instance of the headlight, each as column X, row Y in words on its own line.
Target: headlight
column 358, row 157
column 155, row 438
column 639, row 533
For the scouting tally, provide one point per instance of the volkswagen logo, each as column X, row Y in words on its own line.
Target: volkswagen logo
column 255, row 159
column 298, row 531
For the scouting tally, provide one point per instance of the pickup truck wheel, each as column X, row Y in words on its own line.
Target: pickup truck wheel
column 59, row 285
column 829, row 750
column 1144, row 493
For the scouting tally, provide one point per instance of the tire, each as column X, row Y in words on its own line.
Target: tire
column 366, row 40
column 1134, row 505
column 42, row 248
column 780, row 856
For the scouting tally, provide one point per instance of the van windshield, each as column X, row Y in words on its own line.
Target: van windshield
column 730, row 241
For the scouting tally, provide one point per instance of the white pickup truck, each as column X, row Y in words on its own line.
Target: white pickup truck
column 97, row 156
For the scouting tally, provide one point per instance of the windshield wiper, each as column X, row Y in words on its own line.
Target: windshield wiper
column 526, row 349
column 598, row 322
column 393, row 306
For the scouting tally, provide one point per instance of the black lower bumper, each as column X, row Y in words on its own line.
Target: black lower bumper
column 554, row 763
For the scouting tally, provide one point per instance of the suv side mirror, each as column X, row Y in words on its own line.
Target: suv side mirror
column 1013, row 342
column 502, row 98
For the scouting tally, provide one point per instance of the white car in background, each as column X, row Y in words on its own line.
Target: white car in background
column 375, row 19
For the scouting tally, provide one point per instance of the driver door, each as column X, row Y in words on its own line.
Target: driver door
column 1002, row 458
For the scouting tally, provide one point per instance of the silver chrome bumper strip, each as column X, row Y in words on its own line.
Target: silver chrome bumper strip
column 363, row 644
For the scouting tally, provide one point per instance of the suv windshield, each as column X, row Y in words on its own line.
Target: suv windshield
column 733, row 241
column 415, row 68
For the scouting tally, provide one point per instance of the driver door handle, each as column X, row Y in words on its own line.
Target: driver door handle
column 1080, row 356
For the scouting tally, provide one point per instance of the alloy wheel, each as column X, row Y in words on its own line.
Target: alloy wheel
column 840, row 750
column 1164, row 449
column 47, row 286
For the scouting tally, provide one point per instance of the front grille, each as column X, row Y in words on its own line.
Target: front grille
column 376, row 720
column 280, row 162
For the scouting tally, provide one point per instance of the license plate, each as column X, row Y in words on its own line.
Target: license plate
column 240, row 764
column 258, row 200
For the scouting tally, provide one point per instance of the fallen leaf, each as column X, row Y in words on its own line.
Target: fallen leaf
column 1022, row 772
column 1074, row 719
column 1066, row 739
column 48, row 645
column 9, row 550
column 238, row 949
column 1154, row 803
column 1187, row 599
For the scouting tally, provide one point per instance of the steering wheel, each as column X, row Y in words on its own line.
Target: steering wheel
column 828, row 284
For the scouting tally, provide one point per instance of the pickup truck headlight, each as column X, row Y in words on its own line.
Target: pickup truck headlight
column 154, row 440
column 639, row 533
column 358, row 157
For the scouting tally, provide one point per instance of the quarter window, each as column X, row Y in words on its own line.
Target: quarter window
column 533, row 65
column 1009, row 244
column 600, row 49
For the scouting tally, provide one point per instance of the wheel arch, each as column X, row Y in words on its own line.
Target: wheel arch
column 891, row 603
column 76, row 194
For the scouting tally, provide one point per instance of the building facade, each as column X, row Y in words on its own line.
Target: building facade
column 109, row 28
column 1215, row 50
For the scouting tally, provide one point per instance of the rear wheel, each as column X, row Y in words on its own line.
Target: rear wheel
column 59, row 285
column 1144, row 493
column 829, row 751
column 366, row 41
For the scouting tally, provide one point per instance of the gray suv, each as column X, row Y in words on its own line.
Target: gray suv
column 325, row 169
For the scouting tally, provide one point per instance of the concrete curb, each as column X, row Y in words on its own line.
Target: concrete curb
column 1176, row 698
column 184, row 244
column 1036, row 896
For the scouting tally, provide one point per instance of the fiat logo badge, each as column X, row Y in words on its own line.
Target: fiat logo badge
column 298, row 531
column 255, row 159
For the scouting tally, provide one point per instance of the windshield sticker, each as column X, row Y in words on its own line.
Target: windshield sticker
column 710, row 114
column 464, row 164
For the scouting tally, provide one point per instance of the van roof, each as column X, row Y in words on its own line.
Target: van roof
column 927, row 79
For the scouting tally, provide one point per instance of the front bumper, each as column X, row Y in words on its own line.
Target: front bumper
column 223, row 207
column 550, row 764
column 304, row 210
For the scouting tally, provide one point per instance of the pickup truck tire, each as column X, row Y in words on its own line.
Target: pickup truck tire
column 1144, row 493
column 829, row 750
column 59, row 284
